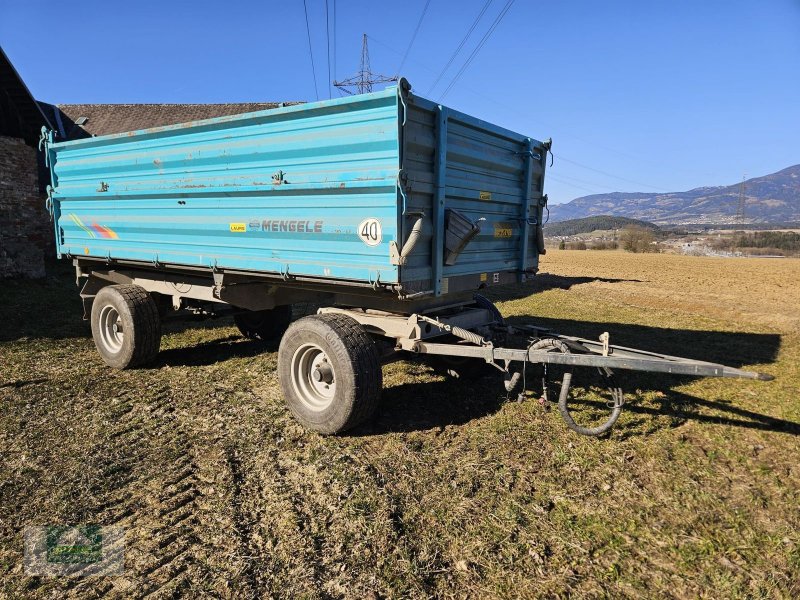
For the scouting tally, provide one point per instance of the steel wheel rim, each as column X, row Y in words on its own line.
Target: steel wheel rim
column 111, row 333
column 313, row 377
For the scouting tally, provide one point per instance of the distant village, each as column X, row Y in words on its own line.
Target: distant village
column 632, row 235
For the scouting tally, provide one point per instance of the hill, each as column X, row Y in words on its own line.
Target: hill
column 589, row 224
column 773, row 198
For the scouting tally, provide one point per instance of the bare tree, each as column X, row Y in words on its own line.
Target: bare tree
column 638, row 239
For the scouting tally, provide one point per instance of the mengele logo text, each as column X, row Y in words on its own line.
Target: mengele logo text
column 292, row 226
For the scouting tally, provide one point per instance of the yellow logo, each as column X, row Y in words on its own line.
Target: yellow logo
column 503, row 230
column 485, row 195
column 238, row 227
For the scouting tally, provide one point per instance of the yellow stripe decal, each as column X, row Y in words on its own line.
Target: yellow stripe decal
column 80, row 224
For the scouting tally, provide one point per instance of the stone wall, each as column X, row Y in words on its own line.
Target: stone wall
column 25, row 227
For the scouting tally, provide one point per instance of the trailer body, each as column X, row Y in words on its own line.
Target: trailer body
column 327, row 191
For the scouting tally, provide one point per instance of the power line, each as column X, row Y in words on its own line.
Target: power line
column 334, row 39
column 478, row 47
column 460, row 46
column 521, row 115
column 310, row 51
column 591, row 188
column 571, row 179
column 428, row 68
column 328, row 46
column 587, row 191
column 413, row 37
column 582, row 166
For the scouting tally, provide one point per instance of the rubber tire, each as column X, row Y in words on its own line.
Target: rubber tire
column 356, row 363
column 264, row 325
column 163, row 304
column 483, row 302
column 468, row 369
column 140, row 322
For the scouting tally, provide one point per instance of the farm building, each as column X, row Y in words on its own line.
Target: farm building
column 24, row 223
column 26, row 240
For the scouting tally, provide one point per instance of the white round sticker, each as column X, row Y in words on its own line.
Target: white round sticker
column 370, row 232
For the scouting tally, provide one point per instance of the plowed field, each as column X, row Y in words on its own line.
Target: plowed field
column 453, row 490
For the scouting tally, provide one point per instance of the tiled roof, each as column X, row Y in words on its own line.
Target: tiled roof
column 103, row 119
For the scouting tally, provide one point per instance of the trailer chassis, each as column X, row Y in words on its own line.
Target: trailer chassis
column 412, row 334
column 329, row 363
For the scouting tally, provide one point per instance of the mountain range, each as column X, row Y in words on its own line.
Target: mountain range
column 773, row 198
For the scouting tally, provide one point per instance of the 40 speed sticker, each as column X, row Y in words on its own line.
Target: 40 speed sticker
column 369, row 230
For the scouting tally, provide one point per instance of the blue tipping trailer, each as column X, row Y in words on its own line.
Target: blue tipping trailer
column 328, row 191
column 386, row 209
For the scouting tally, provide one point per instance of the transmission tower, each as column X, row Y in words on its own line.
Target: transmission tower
column 365, row 78
column 742, row 199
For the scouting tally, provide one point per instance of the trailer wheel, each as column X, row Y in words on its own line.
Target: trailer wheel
column 483, row 302
column 467, row 369
column 330, row 372
column 264, row 325
column 125, row 326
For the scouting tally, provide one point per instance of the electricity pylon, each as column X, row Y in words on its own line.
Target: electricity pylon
column 365, row 78
column 742, row 200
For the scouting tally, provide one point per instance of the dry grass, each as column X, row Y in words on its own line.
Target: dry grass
column 452, row 491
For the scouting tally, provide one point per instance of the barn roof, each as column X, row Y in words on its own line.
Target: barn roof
column 103, row 119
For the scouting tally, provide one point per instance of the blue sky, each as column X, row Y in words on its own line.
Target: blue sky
column 637, row 95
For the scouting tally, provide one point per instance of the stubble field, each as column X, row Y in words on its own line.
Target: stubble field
column 453, row 490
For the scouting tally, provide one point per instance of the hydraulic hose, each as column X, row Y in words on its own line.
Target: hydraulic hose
column 617, row 397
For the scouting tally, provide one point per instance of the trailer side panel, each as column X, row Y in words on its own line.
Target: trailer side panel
column 280, row 191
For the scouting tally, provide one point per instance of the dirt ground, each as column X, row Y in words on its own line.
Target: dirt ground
column 453, row 490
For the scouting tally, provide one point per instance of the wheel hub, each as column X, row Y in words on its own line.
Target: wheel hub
column 111, row 331
column 313, row 376
column 322, row 372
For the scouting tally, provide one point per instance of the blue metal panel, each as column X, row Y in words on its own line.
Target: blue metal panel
column 439, row 196
column 526, row 208
column 293, row 191
column 485, row 181
column 280, row 191
column 484, row 172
